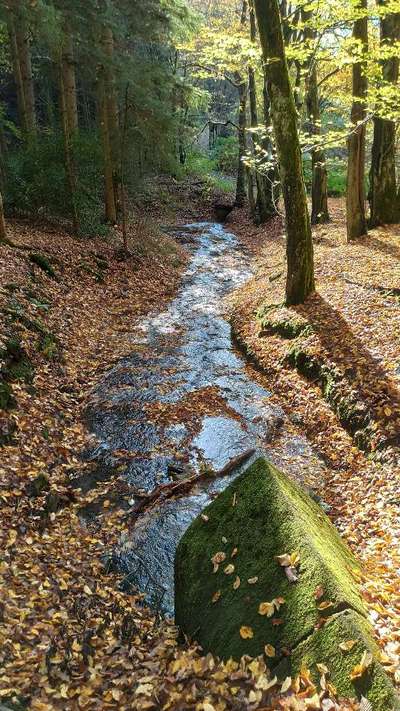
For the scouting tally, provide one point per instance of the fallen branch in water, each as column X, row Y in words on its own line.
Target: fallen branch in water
column 166, row 491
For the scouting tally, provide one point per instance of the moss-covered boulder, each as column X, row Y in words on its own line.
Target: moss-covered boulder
column 341, row 645
column 263, row 565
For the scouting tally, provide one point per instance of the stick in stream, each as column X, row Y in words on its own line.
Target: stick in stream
column 167, row 491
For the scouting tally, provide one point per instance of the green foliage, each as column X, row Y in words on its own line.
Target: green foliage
column 225, row 154
column 202, row 164
column 36, row 180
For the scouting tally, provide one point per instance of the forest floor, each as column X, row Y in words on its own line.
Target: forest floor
column 333, row 364
column 69, row 639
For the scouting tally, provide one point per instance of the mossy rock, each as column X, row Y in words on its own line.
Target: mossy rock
column 263, row 514
column 272, row 516
column 323, row 647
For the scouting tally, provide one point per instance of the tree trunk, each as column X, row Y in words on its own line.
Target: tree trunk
column 355, row 195
column 241, row 170
column 264, row 207
column 319, row 185
column 68, row 133
column 299, row 247
column 112, row 108
column 3, row 230
column 24, row 55
column 384, row 199
column 17, row 72
column 109, row 197
column 69, row 82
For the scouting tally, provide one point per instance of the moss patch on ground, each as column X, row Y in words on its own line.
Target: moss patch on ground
column 322, row 647
column 271, row 516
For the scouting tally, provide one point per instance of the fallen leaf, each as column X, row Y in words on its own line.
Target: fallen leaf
column 246, row 632
column 266, row 608
column 269, row 650
column 236, row 583
column 347, row 646
column 286, row 684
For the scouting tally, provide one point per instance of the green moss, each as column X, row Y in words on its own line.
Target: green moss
column 17, row 365
column 7, row 400
column 272, row 516
column 43, row 262
column 323, row 647
column 286, row 328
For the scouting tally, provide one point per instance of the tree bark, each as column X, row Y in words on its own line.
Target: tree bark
column 384, row 198
column 241, row 170
column 25, row 63
column 17, row 72
column 264, row 207
column 112, row 108
column 68, row 133
column 109, row 194
column 68, row 78
column 241, row 84
column 299, row 247
column 3, row 230
column 355, row 195
column 319, row 185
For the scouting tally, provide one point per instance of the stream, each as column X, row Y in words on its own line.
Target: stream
column 183, row 401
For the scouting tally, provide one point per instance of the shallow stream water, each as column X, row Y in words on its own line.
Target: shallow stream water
column 184, row 400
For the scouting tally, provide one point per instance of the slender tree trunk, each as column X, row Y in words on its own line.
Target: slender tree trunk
column 17, row 72
column 68, row 133
column 319, row 186
column 112, row 108
column 109, row 197
column 68, row 78
column 3, row 230
column 263, row 209
column 242, row 124
column 355, row 195
column 299, row 247
column 384, row 198
column 24, row 54
column 241, row 171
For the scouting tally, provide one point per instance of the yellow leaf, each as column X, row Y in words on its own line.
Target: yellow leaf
column 252, row 581
column 216, row 596
column 234, row 552
column 269, row 650
column 116, row 694
column 87, row 590
column 284, row 559
column 204, row 517
column 322, row 668
column 347, row 646
column 229, row 569
column 325, row 605
column 266, row 608
column 286, row 684
column 246, row 632
column 236, row 583
column 218, row 558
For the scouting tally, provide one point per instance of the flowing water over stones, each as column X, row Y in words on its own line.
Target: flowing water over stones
column 182, row 401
